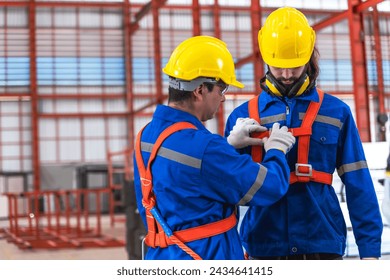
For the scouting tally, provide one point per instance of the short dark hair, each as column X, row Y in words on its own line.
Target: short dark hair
column 209, row 86
column 177, row 96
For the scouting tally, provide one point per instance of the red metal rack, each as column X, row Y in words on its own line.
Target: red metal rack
column 56, row 219
column 124, row 167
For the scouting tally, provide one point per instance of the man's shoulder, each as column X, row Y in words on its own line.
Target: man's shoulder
column 335, row 101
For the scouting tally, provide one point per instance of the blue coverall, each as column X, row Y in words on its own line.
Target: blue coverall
column 198, row 178
column 309, row 219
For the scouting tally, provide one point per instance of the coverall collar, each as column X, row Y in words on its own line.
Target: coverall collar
column 268, row 100
column 173, row 115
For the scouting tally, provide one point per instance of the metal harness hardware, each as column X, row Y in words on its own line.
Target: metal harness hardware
column 302, row 171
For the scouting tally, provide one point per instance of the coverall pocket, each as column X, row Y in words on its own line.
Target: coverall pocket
column 323, row 143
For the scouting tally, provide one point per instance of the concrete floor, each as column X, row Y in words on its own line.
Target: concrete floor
column 10, row 251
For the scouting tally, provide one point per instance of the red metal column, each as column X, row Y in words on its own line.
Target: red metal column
column 157, row 51
column 359, row 70
column 196, row 28
column 378, row 59
column 129, row 71
column 379, row 73
column 217, row 33
column 34, row 99
column 258, row 66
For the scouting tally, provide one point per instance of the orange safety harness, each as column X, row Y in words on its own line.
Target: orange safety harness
column 159, row 233
column 303, row 170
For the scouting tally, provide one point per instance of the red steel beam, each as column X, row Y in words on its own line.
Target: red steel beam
column 63, row 4
column 217, row 33
column 330, row 20
column 258, row 65
column 34, row 98
column 104, row 104
column 359, row 7
column 14, row 96
column 378, row 59
column 381, row 128
column 129, row 72
column 359, row 71
column 353, row 14
column 156, row 4
column 153, row 4
column 196, row 28
column 362, row 6
column 78, row 96
column 83, row 115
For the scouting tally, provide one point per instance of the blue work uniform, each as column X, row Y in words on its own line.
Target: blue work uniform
column 198, row 178
column 309, row 219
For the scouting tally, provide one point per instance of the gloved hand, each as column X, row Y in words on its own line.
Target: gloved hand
column 239, row 136
column 280, row 138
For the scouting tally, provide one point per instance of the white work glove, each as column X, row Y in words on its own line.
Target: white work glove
column 239, row 136
column 280, row 138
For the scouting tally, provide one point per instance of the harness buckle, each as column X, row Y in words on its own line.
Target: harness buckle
column 299, row 172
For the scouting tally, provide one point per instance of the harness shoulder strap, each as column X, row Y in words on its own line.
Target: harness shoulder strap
column 254, row 113
column 253, row 108
column 157, row 227
column 303, row 170
column 159, row 233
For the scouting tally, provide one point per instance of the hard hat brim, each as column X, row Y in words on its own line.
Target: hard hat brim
column 237, row 84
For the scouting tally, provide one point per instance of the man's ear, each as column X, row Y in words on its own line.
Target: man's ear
column 198, row 92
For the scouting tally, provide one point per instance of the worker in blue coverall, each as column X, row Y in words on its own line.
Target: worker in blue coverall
column 188, row 181
column 307, row 223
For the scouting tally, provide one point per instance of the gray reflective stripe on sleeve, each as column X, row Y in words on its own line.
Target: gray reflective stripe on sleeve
column 351, row 167
column 255, row 187
column 273, row 119
column 325, row 119
column 173, row 155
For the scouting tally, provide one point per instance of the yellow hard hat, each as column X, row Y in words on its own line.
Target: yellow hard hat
column 202, row 56
column 286, row 40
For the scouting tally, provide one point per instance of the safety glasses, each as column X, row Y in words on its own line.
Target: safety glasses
column 223, row 87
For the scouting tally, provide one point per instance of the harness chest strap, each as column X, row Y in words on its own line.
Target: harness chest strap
column 159, row 234
column 303, row 170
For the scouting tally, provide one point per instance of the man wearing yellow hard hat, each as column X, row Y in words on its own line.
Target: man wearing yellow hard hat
column 307, row 223
column 188, row 181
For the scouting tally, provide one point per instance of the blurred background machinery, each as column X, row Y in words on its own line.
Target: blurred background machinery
column 78, row 79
